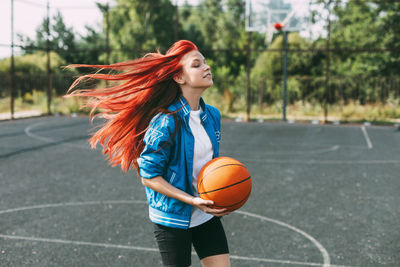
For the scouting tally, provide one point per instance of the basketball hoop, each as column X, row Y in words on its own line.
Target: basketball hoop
column 263, row 16
column 271, row 16
column 279, row 26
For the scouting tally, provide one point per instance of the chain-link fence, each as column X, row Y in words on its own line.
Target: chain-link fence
column 248, row 77
column 229, row 93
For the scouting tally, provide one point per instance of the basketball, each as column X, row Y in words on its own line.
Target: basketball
column 225, row 181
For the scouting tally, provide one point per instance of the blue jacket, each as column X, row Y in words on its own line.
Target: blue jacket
column 173, row 159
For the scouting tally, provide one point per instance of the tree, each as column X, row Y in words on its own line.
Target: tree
column 362, row 26
column 217, row 28
column 61, row 38
column 90, row 47
column 137, row 27
column 222, row 28
column 354, row 28
column 189, row 29
column 267, row 70
column 389, row 14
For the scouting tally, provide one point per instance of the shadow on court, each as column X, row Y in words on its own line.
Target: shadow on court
column 322, row 196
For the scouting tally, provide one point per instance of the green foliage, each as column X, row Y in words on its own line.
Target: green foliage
column 61, row 38
column 87, row 48
column 389, row 23
column 224, row 82
column 358, row 74
column 267, row 71
column 90, row 48
column 189, row 25
column 137, row 27
column 34, row 63
column 356, row 20
column 31, row 74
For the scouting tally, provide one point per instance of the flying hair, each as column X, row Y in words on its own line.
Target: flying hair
column 144, row 87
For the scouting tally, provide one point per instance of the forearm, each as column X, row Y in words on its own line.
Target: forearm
column 160, row 185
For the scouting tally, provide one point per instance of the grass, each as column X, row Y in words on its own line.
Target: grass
column 386, row 113
column 352, row 112
column 37, row 101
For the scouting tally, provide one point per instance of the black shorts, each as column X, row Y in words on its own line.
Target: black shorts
column 175, row 244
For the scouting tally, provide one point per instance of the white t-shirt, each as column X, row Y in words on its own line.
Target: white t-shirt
column 203, row 152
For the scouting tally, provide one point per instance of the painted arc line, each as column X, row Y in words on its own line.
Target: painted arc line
column 314, row 151
column 290, row 145
column 107, row 245
column 51, row 140
column 312, row 161
column 82, row 243
column 47, row 139
column 284, row 262
column 325, row 255
column 41, row 138
column 262, row 218
column 322, row 150
column 369, row 143
column 66, row 204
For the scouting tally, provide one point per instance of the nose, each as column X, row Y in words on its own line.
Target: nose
column 207, row 67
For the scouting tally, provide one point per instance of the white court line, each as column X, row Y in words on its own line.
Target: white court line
column 81, row 243
column 41, row 138
column 107, row 245
column 67, row 204
column 324, row 149
column 369, row 143
column 302, row 152
column 284, row 262
column 323, row 251
column 47, row 139
column 315, row 162
column 325, row 255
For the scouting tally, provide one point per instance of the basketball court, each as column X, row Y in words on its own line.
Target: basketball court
column 322, row 196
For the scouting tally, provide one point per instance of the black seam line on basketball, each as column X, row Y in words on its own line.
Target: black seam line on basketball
column 216, row 206
column 231, row 164
column 225, row 186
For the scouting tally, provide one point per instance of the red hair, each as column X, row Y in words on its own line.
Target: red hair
column 147, row 89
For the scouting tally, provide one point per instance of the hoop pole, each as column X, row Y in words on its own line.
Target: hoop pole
column 285, row 51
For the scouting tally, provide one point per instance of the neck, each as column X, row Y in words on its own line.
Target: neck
column 193, row 98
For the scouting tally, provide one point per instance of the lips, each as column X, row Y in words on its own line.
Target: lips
column 207, row 75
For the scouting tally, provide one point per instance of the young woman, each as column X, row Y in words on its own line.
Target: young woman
column 158, row 124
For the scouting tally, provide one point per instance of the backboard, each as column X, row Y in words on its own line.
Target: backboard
column 261, row 15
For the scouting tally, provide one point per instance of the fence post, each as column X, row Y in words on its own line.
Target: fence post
column 12, row 67
column 48, row 61
column 261, row 84
column 107, row 8
column 327, row 63
column 248, row 76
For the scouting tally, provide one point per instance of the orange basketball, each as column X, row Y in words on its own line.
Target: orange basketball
column 225, row 181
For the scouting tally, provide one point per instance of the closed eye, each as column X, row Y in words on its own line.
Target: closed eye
column 196, row 63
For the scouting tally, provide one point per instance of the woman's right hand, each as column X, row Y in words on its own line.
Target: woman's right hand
column 160, row 185
column 204, row 205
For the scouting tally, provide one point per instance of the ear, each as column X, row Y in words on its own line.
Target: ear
column 179, row 79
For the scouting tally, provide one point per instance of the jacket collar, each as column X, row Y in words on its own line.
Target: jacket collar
column 183, row 108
